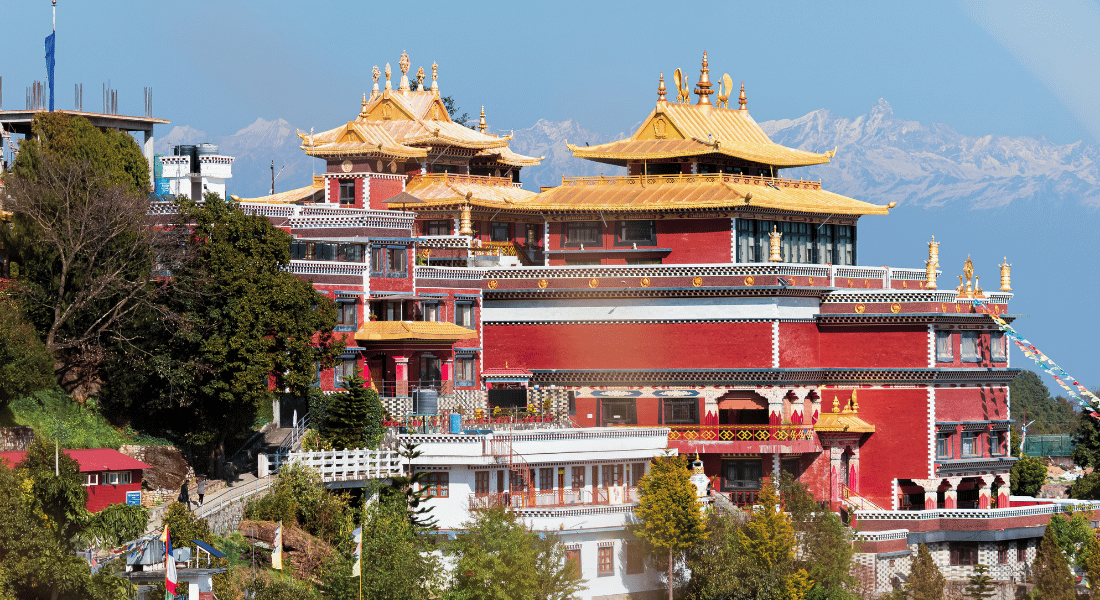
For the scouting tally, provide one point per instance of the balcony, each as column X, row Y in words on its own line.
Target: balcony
column 604, row 496
column 768, row 439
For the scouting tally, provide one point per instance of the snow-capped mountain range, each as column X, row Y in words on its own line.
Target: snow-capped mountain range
column 881, row 158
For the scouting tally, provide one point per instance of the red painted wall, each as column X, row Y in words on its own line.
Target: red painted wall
column 585, row 407
column 899, row 446
column 971, row 404
column 695, row 240
column 382, row 190
column 874, row 347
column 101, row 496
column 629, row 346
column 648, row 411
column 798, row 345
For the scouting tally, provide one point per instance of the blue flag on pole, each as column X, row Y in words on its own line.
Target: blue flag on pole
column 50, row 64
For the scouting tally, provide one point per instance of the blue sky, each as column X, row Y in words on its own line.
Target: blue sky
column 1000, row 67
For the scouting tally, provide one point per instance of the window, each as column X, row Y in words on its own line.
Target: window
column 605, row 561
column 118, row 478
column 681, row 411
column 481, row 482
column 437, row 484
column 943, row 446
column 394, row 311
column 968, row 347
column 741, row 474
column 635, row 558
column 1021, row 550
column 346, row 316
column 345, row 367
column 583, row 232
column 430, row 311
column 996, row 443
column 347, row 192
column 964, row 553
column 945, row 353
column 970, row 447
column 464, row 371
column 464, row 314
column 91, row 479
column 1002, row 553
column 636, row 472
column 578, row 478
column 792, row 466
column 643, row 233
column 573, row 557
column 396, row 266
column 349, row 252
column 429, row 370
column 801, row 242
column 997, row 350
column 546, row 479
column 612, row 475
column 377, row 261
column 498, row 232
column 572, row 404
column 796, row 245
column 440, row 227
column 620, row 412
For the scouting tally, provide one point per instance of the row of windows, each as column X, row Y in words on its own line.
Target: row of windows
column 801, row 242
column 969, row 344
column 109, row 478
column 389, row 261
column 605, row 558
column 966, row 553
column 327, row 251
column 499, row 231
column 554, row 478
column 430, row 373
column 674, row 411
column 971, row 444
column 590, row 233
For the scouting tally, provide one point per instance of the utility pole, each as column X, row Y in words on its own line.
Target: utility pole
column 272, row 177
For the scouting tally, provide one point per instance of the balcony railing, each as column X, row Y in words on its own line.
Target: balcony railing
column 402, row 389
column 644, row 180
column 740, row 433
column 587, row 496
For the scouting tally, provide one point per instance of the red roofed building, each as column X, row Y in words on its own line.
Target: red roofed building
column 108, row 474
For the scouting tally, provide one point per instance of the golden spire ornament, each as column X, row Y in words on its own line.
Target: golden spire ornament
column 932, row 264
column 420, row 79
column 481, row 126
column 404, row 64
column 435, row 72
column 774, row 254
column 661, row 89
column 703, row 88
column 1006, row 276
column 374, row 75
column 742, row 102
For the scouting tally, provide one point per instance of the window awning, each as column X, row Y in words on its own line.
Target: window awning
column 207, row 548
column 741, row 404
column 374, row 331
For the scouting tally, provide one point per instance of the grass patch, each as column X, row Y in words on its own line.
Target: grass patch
column 53, row 414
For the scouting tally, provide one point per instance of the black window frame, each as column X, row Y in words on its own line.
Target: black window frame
column 433, row 225
column 820, row 243
column 649, row 238
column 571, row 230
column 976, row 337
column 635, row 557
column 343, row 309
column 619, row 411
column 743, row 469
column 396, row 255
column 461, row 308
column 339, row 369
column 963, row 554
column 498, row 227
column 976, row 436
column 344, row 185
column 378, row 261
column 996, row 440
column 460, row 361
column 998, row 349
column 673, row 411
column 944, row 440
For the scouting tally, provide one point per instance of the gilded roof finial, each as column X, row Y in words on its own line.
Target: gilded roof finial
column 836, row 404
column 1006, row 276
column 703, row 88
column 403, row 62
column 481, row 126
column 855, row 401
column 741, row 101
column 363, row 110
column 661, row 89
column 388, row 86
column 374, row 75
column 435, row 71
column 420, row 79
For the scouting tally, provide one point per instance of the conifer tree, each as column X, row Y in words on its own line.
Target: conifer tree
column 1053, row 580
column 1092, row 566
column 354, row 417
column 669, row 514
column 926, row 582
column 410, row 488
column 980, row 585
column 768, row 541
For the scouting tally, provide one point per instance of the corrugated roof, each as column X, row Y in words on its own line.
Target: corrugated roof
column 448, row 188
column 357, row 137
column 302, row 194
column 680, row 130
column 96, row 459
column 846, row 420
column 505, row 156
column 374, row 331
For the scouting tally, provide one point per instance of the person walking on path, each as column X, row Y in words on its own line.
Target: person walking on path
column 200, row 487
column 184, row 497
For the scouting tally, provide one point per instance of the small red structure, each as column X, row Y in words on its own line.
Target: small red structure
column 108, row 474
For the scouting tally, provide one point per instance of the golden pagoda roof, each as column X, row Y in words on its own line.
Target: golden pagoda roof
column 302, row 194
column 448, row 188
column 357, row 137
column 679, row 130
column 843, row 421
column 505, row 156
column 374, row 331
column 681, row 192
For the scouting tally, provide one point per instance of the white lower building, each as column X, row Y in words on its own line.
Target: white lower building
column 192, row 174
column 579, row 483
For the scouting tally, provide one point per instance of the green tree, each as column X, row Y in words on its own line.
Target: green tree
column 1028, row 476
column 1050, row 571
column 282, row 588
column 79, row 241
column 1092, row 565
column 980, row 584
column 25, row 364
column 238, row 326
column 116, row 524
column 825, row 542
column 1086, row 442
column 353, row 418
column 498, row 558
column 410, row 489
column 926, row 582
column 1085, row 488
column 668, row 512
column 299, row 497
column 1072, row 534
column 1031, row 401
column 715, row 563
column 768, row 541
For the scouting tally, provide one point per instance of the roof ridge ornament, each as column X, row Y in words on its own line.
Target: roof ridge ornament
column 420, row 79
column 703, row 88
column 681, row 86
column 388, row 85
column 742, row 102
column 363, row 111
column 661, row 89
column 481, row 126
column 725, row 88
column 374, row 75
column 435, row 71
column 403, row 62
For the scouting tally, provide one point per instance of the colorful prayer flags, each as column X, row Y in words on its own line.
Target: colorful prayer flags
column 357, row 568
column 277, row 552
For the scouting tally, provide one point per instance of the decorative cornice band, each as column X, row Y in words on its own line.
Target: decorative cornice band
column 800, row 377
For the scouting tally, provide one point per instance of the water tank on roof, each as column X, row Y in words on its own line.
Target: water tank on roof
column 426, row 401
column 206, row 149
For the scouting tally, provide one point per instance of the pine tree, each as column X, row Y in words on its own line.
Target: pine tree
column 1092, row 566
column 926, row 582
column 354, row 417
column 1053, row 580
column 768, row 541
column 409, row 488
column 980, row 585
column 669, row 514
